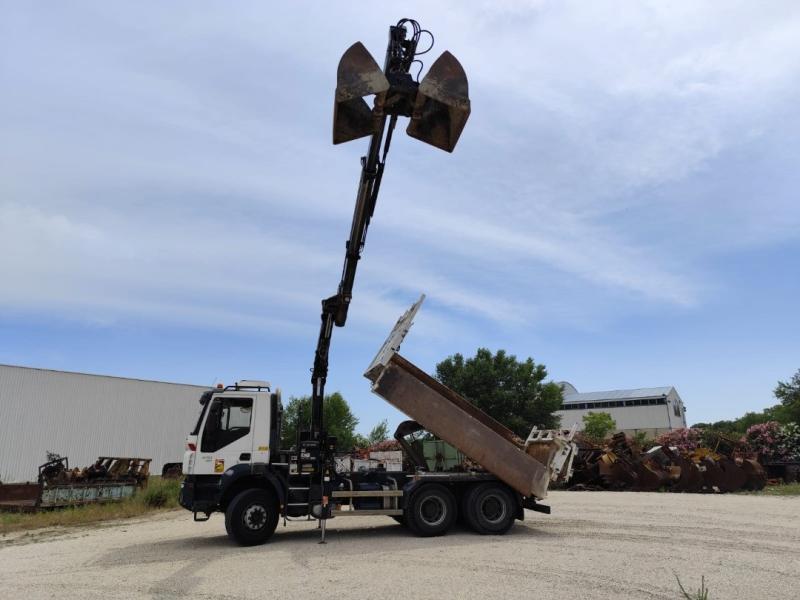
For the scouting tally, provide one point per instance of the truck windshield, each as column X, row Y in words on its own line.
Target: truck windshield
column 205, row 401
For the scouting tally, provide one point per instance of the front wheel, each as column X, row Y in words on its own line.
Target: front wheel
column 252, row 517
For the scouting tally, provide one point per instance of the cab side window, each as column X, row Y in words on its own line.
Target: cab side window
column 228, row 420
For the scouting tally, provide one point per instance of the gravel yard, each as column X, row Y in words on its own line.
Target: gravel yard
column 594, row 545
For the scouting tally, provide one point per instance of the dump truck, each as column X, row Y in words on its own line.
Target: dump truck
column 233, row 461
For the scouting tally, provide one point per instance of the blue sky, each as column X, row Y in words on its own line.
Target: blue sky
column 622, row 205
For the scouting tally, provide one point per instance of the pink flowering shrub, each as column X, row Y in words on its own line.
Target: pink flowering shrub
column 775, row 442
column 791, row 441
column 687, row 439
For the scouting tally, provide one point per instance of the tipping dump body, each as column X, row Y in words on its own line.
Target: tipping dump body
column 460, row 423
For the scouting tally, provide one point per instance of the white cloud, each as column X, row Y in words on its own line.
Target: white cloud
column 151, row 157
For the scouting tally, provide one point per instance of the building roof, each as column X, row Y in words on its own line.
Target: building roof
column 82, row 374
column 656, row 392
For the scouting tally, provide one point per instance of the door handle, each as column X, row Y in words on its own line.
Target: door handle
column 244, row 456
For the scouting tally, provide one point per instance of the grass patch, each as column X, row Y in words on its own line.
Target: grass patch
column 160, row 494
column 784, row 489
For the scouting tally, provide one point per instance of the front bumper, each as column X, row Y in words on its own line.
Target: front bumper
column 200, row 493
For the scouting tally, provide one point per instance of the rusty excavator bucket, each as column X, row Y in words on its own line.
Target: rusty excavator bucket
column 357, row 76
column 442, row 105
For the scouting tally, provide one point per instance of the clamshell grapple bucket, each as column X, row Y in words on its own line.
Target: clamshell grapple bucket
column 442, row 105
column 357, row 76
column 438, row 106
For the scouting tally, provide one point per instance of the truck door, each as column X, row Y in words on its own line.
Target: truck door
column 226, row 439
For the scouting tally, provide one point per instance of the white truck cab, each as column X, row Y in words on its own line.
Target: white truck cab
column 237, row 425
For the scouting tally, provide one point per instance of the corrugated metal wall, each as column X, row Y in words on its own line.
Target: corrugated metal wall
column 84, row 416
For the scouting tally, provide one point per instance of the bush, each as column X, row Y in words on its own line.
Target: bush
column 774, row 442
column 791, row 441
column 687, row 439
column 156, row 498
column 161, row 493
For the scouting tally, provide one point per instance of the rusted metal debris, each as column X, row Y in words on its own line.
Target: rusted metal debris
column 622, row 465
column 110, row 478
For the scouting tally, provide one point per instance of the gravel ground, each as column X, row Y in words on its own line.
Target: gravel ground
column 594, row 545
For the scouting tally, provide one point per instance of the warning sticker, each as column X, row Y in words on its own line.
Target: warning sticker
column 219, row 465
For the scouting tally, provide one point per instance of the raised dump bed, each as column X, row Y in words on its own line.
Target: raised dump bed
column 528, row 466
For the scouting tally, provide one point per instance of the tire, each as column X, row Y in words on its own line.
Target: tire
column 490, row 509
column 228, row 529
column 463, row 506
column 252, row 517
column 431, row 510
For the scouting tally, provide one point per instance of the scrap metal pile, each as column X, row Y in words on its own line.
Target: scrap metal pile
column 109, row 479
column 106, row 468
column 623, row 465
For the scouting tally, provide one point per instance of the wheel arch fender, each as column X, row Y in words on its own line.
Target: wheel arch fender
column 413, row 486
column 242, row 477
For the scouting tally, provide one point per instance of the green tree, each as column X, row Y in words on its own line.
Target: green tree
column 338, row 419
column 512, row 392
column 379, row 433
column 644, row 441
column 597, row 425
column 789, row 394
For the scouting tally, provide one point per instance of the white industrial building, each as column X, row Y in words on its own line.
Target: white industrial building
column 84, row 416
column 650, row 410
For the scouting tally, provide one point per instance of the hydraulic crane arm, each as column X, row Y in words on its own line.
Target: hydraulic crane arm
column 438, row 107
column 334, row 309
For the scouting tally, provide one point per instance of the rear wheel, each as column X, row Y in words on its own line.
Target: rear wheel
column 431, row 510
column 252, row 517
column 489, row 509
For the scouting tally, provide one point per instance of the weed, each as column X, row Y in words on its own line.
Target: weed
column 701, row 594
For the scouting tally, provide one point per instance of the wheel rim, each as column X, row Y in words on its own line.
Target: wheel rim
column 433, row 511
column 493, row 509
column 255, row 517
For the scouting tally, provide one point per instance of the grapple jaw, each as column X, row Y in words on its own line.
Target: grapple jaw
column 442, row 105
column 357, row 76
